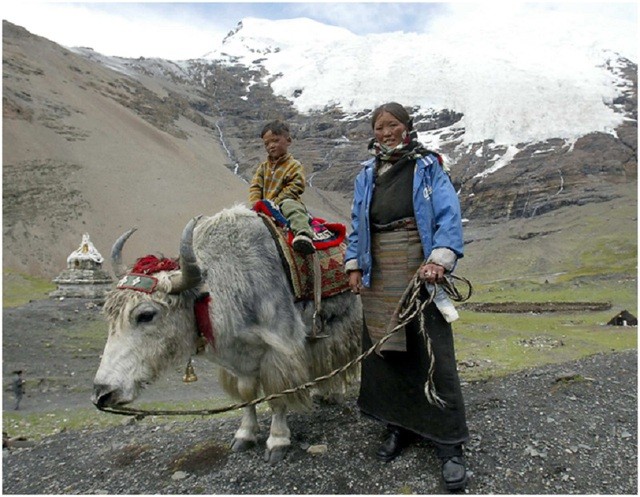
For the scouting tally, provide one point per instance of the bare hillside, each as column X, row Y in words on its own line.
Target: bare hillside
column 87, row 149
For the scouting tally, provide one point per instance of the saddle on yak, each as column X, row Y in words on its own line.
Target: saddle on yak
column 316, row 276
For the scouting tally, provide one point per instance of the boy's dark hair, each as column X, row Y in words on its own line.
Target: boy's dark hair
column 277, row 127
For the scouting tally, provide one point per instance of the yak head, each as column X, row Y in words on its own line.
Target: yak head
column 151, row 322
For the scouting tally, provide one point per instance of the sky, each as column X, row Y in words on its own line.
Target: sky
column 185, row 30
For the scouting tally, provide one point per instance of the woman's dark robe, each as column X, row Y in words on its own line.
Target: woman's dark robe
column 392, row 386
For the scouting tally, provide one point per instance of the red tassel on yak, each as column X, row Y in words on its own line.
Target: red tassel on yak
column 203, row 322
column 150, row 264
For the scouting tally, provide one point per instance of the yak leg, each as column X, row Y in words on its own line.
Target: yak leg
column 247, row 435
column 279, row 436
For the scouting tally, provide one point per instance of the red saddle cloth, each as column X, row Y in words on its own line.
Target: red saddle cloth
column 330, row 251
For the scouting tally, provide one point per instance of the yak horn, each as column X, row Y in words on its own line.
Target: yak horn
column 120, row 269
column 189, row 275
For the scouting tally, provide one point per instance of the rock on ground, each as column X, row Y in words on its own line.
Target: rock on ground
column 558, row 429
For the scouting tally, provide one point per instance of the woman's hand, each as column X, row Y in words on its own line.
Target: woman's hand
column 355, row 281
column 431, row 273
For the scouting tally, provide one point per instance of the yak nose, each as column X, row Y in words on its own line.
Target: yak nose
column 103, row 395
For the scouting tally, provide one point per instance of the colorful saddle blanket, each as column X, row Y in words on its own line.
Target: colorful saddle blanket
column 329, row 240
column 325, row 235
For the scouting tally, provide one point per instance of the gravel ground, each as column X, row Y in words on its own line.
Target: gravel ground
column 558, row 429
column 561, row 429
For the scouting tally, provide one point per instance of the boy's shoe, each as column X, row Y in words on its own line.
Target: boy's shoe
column 303, row 244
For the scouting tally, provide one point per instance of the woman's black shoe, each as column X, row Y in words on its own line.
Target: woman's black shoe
column 454, row 473
column 393, row 444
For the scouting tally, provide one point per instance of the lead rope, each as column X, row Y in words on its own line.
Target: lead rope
column 410, row 304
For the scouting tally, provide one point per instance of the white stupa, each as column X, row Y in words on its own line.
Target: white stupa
column 84, row 276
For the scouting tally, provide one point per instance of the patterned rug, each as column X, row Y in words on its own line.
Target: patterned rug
column 330, row 251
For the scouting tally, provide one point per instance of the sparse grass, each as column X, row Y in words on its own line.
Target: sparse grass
column 571, row 245
column 18, row 288
column 502, row 343
column 212, row 403
column 619, row 290
column 86, row 338
column 499, row 338
column 37, row 425
column 585, row 256
column 496, row 340
column 587, row 260
column 405, row 490
column 606, row 255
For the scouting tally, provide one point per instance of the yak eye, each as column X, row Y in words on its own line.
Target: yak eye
column 144, row 313
column 145, row 317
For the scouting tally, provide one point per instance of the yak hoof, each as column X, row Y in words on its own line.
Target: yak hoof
column 330, row 399
column 240, row 444
column 276, row 454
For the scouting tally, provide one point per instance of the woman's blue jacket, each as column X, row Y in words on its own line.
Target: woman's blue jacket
column 435, row 205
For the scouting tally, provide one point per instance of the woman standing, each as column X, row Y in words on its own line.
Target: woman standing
column 405, row 216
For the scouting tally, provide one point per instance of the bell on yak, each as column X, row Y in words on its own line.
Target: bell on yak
column 189, row 374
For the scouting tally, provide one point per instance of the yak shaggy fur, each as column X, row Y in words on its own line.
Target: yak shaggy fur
column 260, row 332
column 259, row 328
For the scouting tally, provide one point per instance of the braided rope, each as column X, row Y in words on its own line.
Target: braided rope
column 409, row 306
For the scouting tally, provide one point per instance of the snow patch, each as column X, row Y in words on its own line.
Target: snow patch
column 512, row 82
column 501, row 162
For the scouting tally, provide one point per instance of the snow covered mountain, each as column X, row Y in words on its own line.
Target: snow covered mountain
column 537, row 88
column 104, row 142
column 558, row 105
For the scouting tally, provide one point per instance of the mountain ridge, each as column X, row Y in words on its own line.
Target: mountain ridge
column 95, row 143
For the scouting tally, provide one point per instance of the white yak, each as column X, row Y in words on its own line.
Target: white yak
column 260, row 331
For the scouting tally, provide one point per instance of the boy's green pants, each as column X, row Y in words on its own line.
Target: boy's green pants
column 296, row 214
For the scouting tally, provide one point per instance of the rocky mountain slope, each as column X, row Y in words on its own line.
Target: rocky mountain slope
column 98, row 144
column 90, row 149
column 522, row 132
